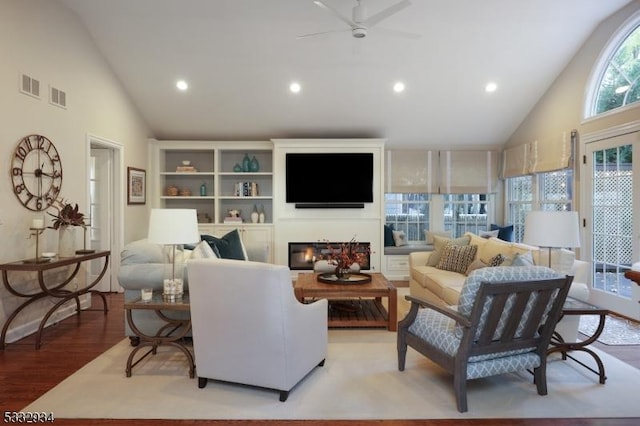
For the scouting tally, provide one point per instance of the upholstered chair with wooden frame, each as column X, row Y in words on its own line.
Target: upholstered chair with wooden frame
column 503, row 323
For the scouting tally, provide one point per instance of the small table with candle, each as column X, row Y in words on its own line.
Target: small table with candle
column 171, row 334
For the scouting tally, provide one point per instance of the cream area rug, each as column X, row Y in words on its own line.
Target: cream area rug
column 360, row 380
column 617, row 330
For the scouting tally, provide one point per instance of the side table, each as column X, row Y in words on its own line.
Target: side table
column 576, row 307
column 171, row 334
column 53, row 290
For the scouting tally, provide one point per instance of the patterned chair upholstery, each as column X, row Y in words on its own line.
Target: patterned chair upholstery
column 503, row 323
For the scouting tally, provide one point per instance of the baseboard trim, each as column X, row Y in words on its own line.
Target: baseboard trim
column 23, row 330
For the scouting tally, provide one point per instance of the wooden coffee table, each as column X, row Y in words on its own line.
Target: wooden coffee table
column 363, row 302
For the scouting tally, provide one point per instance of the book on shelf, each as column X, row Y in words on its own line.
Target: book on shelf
column 186, row 169
column 246, row 189
column 232, row 219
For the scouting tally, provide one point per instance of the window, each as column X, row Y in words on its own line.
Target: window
column 543, row 191
column 414, row 213
column 465, row 213
column 619, row 72
column 519, row 203
column 556, row 190
column 408, row 213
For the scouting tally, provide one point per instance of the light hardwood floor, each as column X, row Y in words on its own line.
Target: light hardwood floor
column 26, row 374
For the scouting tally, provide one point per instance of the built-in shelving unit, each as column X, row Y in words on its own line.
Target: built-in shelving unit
column 219, row 167
column 215, row 166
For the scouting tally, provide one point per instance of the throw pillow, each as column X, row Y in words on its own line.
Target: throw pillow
column 457, row 258
column 203, row 251
column 438, row 247
column 505, row 233
column 429, row 235
column 399, row 238
column 229, row 246
column 489, row 234
column 388, row 236
column 476, row 264
column 523, row 259
column 496, row 260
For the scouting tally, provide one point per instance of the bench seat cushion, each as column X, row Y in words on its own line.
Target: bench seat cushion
column 406, row 249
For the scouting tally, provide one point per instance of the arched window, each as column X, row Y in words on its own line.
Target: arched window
column 616, row 80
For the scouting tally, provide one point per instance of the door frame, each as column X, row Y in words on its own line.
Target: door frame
column 585, row 184
column 117, row 200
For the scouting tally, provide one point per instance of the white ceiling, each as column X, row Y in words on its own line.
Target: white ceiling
column 239, row 57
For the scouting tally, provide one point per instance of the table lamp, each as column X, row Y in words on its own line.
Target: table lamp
column 173, row 227
column 552, row 229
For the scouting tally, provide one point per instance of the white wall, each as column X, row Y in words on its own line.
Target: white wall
column 561, row 107
column 43, row 39
column 310, row 225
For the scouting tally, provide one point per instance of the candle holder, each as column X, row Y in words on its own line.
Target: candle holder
column 38, row 259
column 84, row 240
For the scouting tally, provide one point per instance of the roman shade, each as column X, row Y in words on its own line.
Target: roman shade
column 468, row 172
column 515, row 161
column 540, row 156
column 551, row 154
column 411, row 171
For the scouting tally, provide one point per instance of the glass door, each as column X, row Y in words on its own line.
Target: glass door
column 612, row 233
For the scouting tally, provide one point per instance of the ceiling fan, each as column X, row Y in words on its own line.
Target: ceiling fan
column 360, row 23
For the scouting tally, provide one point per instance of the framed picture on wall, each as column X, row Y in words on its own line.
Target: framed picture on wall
column 136, row 186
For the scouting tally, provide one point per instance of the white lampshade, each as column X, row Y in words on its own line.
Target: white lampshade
column 557, row 229
column 173, row 226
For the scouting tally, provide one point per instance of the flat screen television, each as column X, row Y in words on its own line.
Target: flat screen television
column 331, row 179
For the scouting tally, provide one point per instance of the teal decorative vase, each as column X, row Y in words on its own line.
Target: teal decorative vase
column 246, row 163
column 237, row 168
column 254, row 166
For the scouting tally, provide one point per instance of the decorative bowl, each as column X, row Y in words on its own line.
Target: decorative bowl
column 186, row 162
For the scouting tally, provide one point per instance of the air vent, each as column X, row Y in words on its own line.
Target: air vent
column 29, row 86
column 57, row 97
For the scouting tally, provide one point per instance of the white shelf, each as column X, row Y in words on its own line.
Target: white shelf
column 214, row 162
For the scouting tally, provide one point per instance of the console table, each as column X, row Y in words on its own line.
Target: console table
column 54, row 290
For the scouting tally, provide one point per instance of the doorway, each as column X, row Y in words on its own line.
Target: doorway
column 105, row 230
column 613, row 233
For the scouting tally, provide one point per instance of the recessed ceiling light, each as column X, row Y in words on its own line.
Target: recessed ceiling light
column 182, row 85
column 491, row 87
column 398, row 87
column 295, row 87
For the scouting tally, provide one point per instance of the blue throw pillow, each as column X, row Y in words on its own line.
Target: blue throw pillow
column 505, row 233
column 388, row 236
column 228, row 246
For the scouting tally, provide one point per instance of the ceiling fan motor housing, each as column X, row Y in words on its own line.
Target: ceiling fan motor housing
column 359, row 32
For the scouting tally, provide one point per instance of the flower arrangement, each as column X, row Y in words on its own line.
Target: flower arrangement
column 345, row 255
column 67, row 215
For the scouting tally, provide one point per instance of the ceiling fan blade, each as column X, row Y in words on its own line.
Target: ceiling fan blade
column 322, row 33
column 337, row 14
column 374, row 19
column 397, row 33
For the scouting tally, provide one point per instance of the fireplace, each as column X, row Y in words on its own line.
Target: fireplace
column 302, row 255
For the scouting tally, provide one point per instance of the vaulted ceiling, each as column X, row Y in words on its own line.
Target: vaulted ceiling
column 240, row 56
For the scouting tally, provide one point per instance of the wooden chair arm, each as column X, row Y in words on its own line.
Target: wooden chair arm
column 444, row 310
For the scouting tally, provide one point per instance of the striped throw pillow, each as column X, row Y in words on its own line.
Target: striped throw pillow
column 457, row 258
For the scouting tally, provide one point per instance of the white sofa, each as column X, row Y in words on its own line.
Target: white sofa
column 443, row 286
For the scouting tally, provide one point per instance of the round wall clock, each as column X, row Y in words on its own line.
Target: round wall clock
column 36, row 172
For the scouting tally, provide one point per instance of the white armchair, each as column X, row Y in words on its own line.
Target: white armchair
column 248, row 327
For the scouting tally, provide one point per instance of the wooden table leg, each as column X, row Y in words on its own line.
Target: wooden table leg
column 393, row 309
